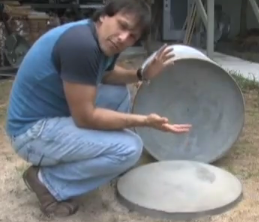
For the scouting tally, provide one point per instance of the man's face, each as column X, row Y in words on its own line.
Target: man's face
column 118, row 32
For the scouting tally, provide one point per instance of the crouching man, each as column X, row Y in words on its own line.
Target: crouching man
column 68, row 112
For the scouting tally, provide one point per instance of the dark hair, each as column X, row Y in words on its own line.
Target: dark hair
column 140, row 8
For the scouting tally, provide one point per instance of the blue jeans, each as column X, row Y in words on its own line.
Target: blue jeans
column 75, row 161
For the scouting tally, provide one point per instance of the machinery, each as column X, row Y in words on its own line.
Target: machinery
column 14, row 47
column 175, row 13
column 222, row 26
column 77, row 9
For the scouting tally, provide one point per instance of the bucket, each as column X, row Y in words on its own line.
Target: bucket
column 195, row 90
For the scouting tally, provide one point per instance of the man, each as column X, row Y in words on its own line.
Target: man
column 69, row 106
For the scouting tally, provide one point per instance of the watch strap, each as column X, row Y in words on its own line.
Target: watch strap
column 139, row 74
column 141, row 77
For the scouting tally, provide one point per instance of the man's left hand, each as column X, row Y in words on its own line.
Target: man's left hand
column 163, row 58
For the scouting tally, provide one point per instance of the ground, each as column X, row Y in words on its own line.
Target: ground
column 18, row 204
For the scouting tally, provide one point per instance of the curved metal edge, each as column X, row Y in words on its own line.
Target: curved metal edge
column 243, row 101
column 179, row 55
column 176, row 216
column 244, row 118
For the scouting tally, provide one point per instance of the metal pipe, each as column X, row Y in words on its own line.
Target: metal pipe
column 210, row 29
column 255, row 9
column 202, row 12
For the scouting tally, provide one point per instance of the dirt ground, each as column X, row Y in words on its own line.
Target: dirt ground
column 18, row 204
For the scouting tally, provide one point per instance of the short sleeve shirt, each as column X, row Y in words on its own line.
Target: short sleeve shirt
column 69, row 52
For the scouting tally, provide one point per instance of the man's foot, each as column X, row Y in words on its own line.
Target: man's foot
column 48, row 204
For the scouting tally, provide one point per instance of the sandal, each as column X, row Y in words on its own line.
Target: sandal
column 48, row 204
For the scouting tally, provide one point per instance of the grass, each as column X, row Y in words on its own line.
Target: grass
column 244, row 83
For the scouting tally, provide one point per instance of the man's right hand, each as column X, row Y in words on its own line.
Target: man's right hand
column 161, row 123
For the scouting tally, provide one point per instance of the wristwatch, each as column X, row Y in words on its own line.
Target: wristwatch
column 141, row 77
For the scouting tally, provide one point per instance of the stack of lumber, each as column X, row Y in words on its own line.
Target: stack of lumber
column 32, row 24
column 189, row 24
column 14, row 8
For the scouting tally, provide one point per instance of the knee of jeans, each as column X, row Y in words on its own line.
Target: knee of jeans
column 114, row 92
column 115, row 97
column 119, row 90
column 133, row 147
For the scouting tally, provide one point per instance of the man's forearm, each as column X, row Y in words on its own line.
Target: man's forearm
column 105, row 119
column 120, row 76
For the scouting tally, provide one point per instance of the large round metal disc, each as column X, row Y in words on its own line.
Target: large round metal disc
column 196, row 91
column 179, row 190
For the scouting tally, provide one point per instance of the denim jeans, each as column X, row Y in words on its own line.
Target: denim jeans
column 74, row 161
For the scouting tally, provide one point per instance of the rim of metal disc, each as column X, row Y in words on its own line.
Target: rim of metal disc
column 220, row 68
column 178, row 215
column 186, row 216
